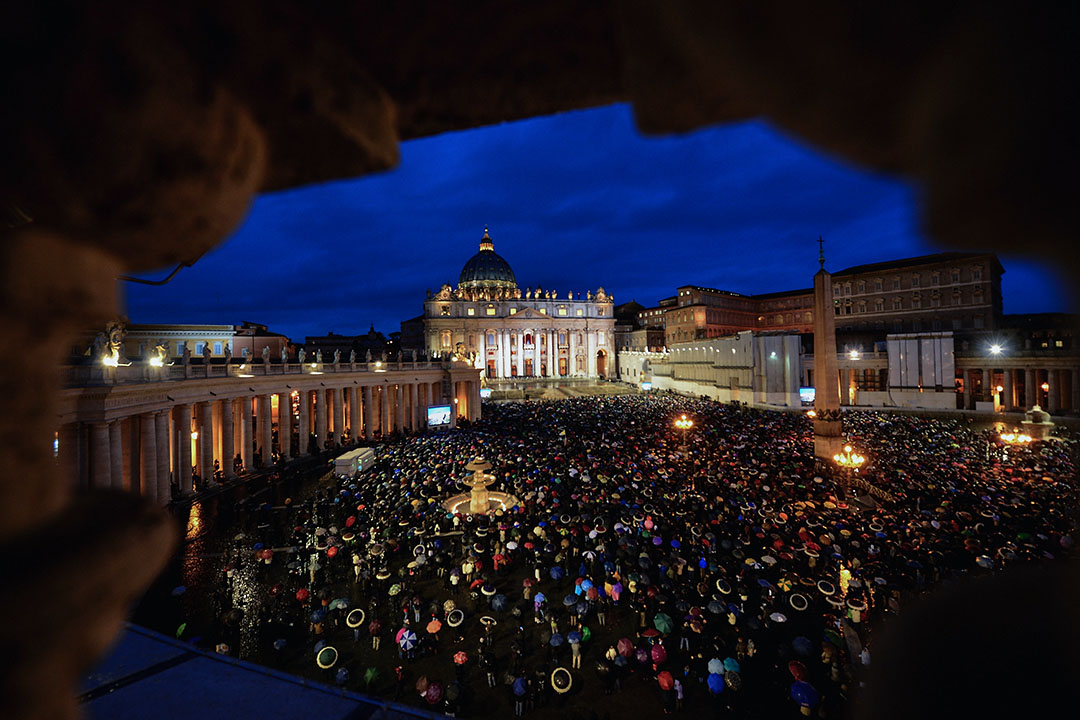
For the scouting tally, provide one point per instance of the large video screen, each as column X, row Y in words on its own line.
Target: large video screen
column 485, row 393
column 807, row 394
column 438, row 415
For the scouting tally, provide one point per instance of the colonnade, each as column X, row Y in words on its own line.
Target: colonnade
column 229, row 424
column 553, row 352
column 1054, row 389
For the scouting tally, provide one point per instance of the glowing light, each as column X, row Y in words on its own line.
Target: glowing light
column 849, row 458
column 1045, row 386
column 194, row 434
column 111, row 360
column 684, row 423
column 854, row 354
column 811, row 414
column 995, row 349
column 157, row 361
column 1014, row 438
column 999, row 388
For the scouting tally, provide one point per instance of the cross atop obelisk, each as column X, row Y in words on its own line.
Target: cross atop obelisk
column 828, row 432
column 821, row 251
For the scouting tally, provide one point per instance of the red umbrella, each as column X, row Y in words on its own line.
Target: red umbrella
column 528, row 582
column 592, row 593
column 625, row 647
column 434, row 626
column 651, row 633
column 798, row 670
column 659, row 654
column 350, row 521
column 302, row 594
column 666, row 680
column 460, row 658
column 434, row 693
column 652, row 591
column 332, row 551
column 476, row 583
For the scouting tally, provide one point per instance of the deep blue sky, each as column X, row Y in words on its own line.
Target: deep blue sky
column 574, row 201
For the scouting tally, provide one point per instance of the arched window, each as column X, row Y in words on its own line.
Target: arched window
column 528, row 339
column 447, row 338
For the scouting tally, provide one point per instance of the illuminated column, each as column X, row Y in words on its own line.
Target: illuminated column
column 369, row 412
column 183, row 444
column 536, row 352
column 264, row 424
column 414, row 420
column 284, row 414
column 148, row 457
column 519, row 357
column 339, row 414
column 571, row 361
column 590, row 353
column 385, row 421
column 116, row 454
column 320, row 420
column 228, row 439
column 987, row 391
column 474, row 401
column 483, row 351
column 506, row 353
column 497, row 347
column 1052, row 404
column 552, row 354
column 1007, row 391
column 399, row 402
column 206, row 442
column 161, row 433
column 1075, row 390
column 303, row 432
column 1029, row 387
column 967, row 390
column 354, row 414
column 247, row 437
column 101, row 452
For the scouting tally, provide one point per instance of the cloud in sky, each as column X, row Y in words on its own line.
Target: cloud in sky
column 574, row 201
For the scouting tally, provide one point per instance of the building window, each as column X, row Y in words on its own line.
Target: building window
column 935, row 301
column 513, row 311
column 445, row 310
column 916, row 302
column 879, row 305
column 490, row 310
column 976, row 274
column 877, row 285
column 600, row 337
column 836, row 291
column 543, row 311
column 199, row 347
column 956, row 324
column 915, row 281
column 562, row 339
column 956, row 276
column 446, row 339
column 562, row 311
column 491, row 339
column 471, row 311
column 217, row 348
column 580, row 312
column 472, row 341
column 862, row 286
column 1059, row 343
column 862, row 306
column 528, row 339
column 935, row 279
column 600, row 312
column 847, row 288
column 897, row 304
column 896, row 283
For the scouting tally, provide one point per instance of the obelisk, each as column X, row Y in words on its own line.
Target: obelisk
column 828, row 435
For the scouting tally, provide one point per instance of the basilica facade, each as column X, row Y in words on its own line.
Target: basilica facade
column 509, row 332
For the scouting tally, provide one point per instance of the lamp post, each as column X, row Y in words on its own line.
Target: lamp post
column 684, row 423
column 849, row 462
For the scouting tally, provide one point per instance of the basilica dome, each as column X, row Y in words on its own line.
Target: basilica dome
column 486, row 269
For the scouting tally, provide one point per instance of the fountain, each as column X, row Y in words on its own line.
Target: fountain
column 1037, row 424
column 479, row 500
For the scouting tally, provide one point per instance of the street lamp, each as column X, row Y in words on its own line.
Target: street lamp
column 684, row 423
column 995, row 349
column 849, row 462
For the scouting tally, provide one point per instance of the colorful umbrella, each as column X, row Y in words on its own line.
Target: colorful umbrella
column 460, row 658
column 665, row 680
column 407, row 640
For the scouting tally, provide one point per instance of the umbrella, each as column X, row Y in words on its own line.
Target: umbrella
column 342, row 603
column 716, row 607
column 665, row 680
column 802, row 646
column 371, row 675
column 663, row 623
column 326, row 657
column 797, row 669
column 520, row 687
column 498, row 602
column 659, row 654
column 620, row 661
column 561, row 680
column 455, row 618
column 318, row 616
column 280, row 644
column 804, row 693
column 557, row 573
column 574, row 637
column 434, row 693
column 556, row 640
column 407, row 639
column 460, row 658
column 528, row 582
column 733, row 680
column 422, row 684
column 715, row 683
column 302, row 594
column 716, row 666
column 355, row 618
column 731, row 665
column 570, row 600
column 624, row 647
column 778, row 617
column 178, row 590
column 394, row 589
column 651, row 633
column 642, row 656
column 434, row 626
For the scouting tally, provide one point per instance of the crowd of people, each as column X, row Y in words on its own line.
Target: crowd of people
column 639, row 569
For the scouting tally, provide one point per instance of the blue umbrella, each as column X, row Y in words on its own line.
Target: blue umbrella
column 676, row 544
column 556, row 640
column 574, row 637
column 339, row 603
column 539, row 598
column 556, row 573
column 715, row 683
column 716, row 607
column 802, row 646
column 498, row 602
column 582, row 607
column 804, row 693
column 731, row 665
column 586, row 584
column 342, row 676
column 765, row 583
column 279, row 644
column 620, row 661
column 178, row 590
column 318, row 616
column 408, row 640
column 520, row 687
column 716, row 666
column 570, row 600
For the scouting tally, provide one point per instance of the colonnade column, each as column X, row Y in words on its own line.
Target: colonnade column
column 354, row 414
column 385, row 422
column 1075, row 389
column 987, row 391
column 414, row 414
column 571, row 361
column 101, row 453
column 148, row 466
column 967, row 390
column 1007, row 391
column 206, row 442
column 590, row 353
column 183, row 443
column 1052, row 391
column 247, row 439
column 552, row 354
column 519, row 361
column 303, row 432
column 1029, row 387
column 498, row 355
column 263, row 420
column 161, row 432
column 320, row 420
column 399, row 401
column 228, row 437
column 116, row 454
column 483, row 351
column 284, row 415
column 505, row 351
column 368, row 411
column 339, row 414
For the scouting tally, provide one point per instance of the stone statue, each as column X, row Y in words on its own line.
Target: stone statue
column 588, row 295
column 284, row 355
column 228, row 353
column 266, row 354
column 337, row 356
column 352, row 356
column 429, row 293
column 206, row 353
column 301, row 355
column 601, row 296
column 528, row 294
column 116, row 330
column 186, row 355
column 367, row 355
column 162, row 350
column 318, row 356
column 98, row 350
